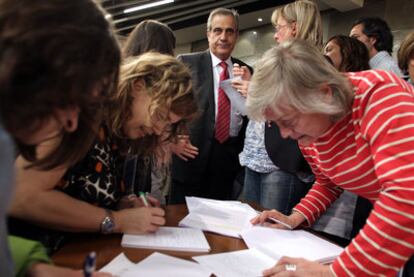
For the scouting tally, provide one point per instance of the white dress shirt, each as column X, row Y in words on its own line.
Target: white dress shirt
column 236, row 119
column 383, row 60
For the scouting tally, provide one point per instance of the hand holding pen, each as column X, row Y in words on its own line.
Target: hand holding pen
column 89, row 264
column 276, row 219
column 134, row 201
column 89, row 267
column 144, row 216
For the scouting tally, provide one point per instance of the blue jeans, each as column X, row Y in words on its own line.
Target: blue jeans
column 278, row 189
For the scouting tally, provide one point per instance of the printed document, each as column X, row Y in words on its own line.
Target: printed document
column 248, row 263
column 158, row 264
column 227, row 218
column 236, row 99
column 169, row 238
column 296, row 243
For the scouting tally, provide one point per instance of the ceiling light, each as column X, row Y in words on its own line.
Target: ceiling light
column 260, row 19
column 254, row 33
column 146, row 6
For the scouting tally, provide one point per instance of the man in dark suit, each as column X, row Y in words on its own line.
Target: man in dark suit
column 218, row 131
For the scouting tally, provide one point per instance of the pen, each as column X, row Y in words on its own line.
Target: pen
column 89, row 265
column 144, row 199
column 274, row 220
column 279, row 222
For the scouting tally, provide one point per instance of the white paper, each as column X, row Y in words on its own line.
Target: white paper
column 296, row 243
column 169, row 238
column 236, row 99
column 249, row 262
column 119, row 266
column 158, row 264
column 228, row 218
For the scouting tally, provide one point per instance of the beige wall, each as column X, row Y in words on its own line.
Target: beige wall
column 398, row 13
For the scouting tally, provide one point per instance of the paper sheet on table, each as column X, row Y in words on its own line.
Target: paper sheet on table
column 163, row 265
column 169, row 238
column 236, row 99
column 119, row 266
column 228, row 218
column 296, row 243
column 248, row 262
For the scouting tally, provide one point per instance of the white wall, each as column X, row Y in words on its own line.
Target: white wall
column 398, row 13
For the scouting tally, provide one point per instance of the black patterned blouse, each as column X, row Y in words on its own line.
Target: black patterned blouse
column 97, row 178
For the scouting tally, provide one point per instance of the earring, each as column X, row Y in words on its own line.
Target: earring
column 269, row 123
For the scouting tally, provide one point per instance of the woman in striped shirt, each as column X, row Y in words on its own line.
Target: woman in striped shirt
column 357, row 133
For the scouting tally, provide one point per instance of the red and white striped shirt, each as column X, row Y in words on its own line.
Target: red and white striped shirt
column 370, row 152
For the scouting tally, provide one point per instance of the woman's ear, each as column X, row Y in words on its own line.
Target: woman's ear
column 294, row 29
column 326, row 93
column 68, row 118
column 139, row 85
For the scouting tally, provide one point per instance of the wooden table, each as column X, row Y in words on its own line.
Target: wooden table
column 109, row 246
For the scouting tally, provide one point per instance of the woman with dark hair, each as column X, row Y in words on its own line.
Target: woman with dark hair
column 54, row 76
column 150, row 35
column 347, row 54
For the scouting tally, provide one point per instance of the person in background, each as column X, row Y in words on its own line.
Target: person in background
column 49, row 93
column 356, row 132
column 406, row 57
column 266, row 182
column 347, row 54
column 145, row 173
column 218, row 130
column 153, row 97
column 375, row 33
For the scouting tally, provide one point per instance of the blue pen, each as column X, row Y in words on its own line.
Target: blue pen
column 89, row 265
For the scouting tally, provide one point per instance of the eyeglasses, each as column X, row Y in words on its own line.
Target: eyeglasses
column 278, row 28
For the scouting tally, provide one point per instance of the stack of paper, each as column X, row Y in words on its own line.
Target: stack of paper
column 249, row 262
column 297, row 243
column 155, row 265
column 266, row 247
column 169, row 238
column 227, row 218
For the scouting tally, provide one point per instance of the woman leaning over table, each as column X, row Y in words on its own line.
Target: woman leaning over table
column 356, row 131
column 153, row 96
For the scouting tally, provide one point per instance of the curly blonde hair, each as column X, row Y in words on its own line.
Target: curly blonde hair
column 168, row 83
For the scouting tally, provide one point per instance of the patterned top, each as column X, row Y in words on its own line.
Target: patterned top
column 254, row 155
column 370, row 152
column 97, row 178
column 383, row 60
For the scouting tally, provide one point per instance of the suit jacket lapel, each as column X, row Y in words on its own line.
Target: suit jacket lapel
column 208, row 80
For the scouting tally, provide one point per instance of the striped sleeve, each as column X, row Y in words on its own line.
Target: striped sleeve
column 387, row 240
column 320, row 197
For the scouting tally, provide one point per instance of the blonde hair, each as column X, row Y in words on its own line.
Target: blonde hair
column 406, row 51
column 291, row 75
column 307, row 17
column 168, row 83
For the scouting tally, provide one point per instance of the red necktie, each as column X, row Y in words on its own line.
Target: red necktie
column 223, row 114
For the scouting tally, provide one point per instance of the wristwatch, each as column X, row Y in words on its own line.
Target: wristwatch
column 108, row 223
